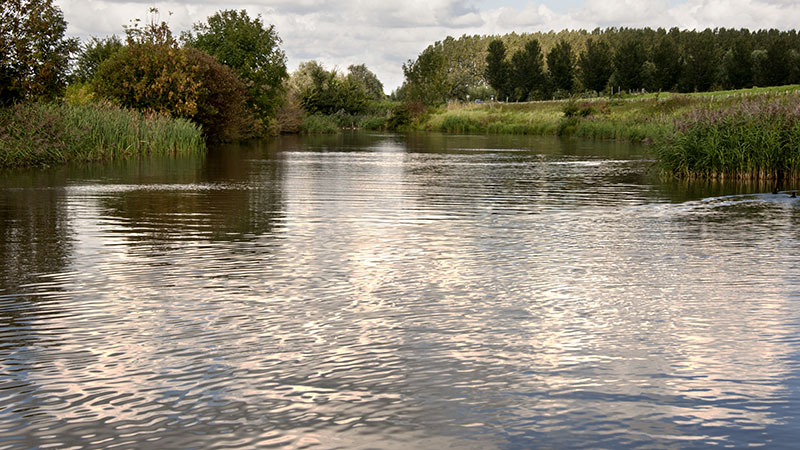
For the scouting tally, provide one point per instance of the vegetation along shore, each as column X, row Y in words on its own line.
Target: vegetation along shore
column 691, row 93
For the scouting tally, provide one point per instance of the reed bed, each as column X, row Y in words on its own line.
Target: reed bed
column 43, row 134
column 757, row 137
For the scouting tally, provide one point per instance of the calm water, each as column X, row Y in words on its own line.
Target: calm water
column 383, row 291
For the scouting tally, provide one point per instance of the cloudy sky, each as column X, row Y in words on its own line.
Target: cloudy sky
column 384, row 34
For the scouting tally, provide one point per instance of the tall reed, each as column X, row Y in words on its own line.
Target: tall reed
column 40, row 134
column 757, row 137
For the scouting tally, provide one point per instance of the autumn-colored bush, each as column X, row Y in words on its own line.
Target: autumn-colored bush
column 153, row 73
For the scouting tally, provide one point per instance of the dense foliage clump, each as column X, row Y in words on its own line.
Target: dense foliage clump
column 252, row 50
column 34, row 54
column 153, row 73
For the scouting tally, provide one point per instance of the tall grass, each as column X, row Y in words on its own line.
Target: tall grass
column 757, row 137
column 319, row 124
column 41, row 134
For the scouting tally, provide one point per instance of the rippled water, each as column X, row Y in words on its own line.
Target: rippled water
column 383, row 291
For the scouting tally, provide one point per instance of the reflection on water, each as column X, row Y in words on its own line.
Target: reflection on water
column 390, row 291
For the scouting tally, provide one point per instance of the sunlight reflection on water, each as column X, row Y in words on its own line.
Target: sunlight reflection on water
column 384, row 291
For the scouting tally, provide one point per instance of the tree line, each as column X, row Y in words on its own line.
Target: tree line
column 227, row 74
column 537, row 66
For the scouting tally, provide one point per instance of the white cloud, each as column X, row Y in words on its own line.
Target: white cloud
column 383, row 35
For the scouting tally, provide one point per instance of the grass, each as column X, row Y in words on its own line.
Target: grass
column 43, row 134
column 743, row 134
column 319, row 124
column 757, row 138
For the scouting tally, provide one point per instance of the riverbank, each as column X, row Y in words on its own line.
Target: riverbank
column 751, row 133
column 44, row 134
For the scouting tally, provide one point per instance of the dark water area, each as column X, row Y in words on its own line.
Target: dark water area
column 397, row 291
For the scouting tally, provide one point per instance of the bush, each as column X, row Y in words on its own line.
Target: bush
column 222, row 108
column 152, row 73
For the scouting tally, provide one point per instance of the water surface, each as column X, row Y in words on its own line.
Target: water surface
column 391, row 291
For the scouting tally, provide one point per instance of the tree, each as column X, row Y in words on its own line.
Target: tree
column 702, row 61
column 360, row 75
column 152, row 72
column 34, row 55
column 326, row 92
column 426, row 78
column 667, row 64
column 498, row 69
column 528, row 77
column 738, row 63
column 595, row 65
column 777, row 70
column 629, row 62
column 93, row 54
column 251, row 49
column 561, row 65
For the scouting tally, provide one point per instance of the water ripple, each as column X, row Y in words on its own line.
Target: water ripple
column 365, row 295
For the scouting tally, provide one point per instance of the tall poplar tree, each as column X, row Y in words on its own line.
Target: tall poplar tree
column 561, row 65
column 595, row 65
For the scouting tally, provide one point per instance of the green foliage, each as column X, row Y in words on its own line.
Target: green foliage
column 251, row 49
column 41, row 134
column 777, row 67
column 426, row 77
column 561, row 65
column 222, row 108
column 34, row 54
column 498, row 70
column 596, row 65
column 702, row 62
column 318, row 124
column 655, row 60
column 629, row 60
column 153, row 73
column 666, row 60
column 326, row 92
column 528, row 76
column 368, row 81
column 572, row 109
column 738, row 63
column 79, row 94
column 757, row 138
column 92, row 54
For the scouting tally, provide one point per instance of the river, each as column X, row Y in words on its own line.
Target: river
column 387, row 291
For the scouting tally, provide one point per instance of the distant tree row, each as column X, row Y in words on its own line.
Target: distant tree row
column 521, row 67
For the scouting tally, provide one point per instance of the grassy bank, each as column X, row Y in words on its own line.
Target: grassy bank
column 752, row 133
column 41, row 134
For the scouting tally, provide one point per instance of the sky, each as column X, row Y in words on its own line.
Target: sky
column 385, row 34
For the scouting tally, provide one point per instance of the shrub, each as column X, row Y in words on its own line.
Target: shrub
column 153, row 73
